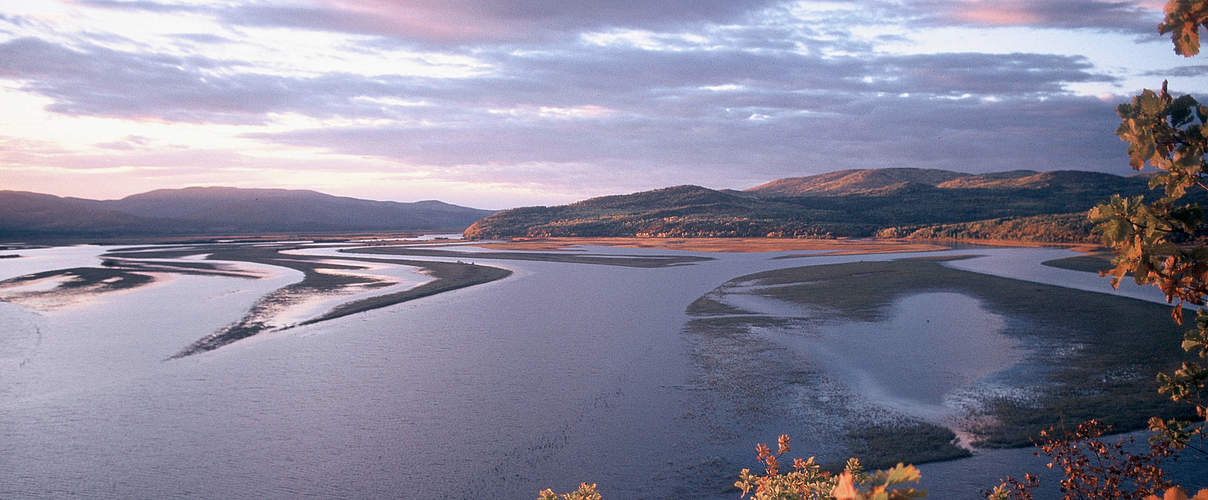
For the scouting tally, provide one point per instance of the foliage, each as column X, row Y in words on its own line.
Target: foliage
column 1183, row 21
column 807, row 480
column 1161, row 242
column 1093, row 468
column 585, row 492
column 1177, row 493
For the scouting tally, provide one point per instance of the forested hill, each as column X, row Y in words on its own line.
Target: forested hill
column 219, row 211
column 898, row 202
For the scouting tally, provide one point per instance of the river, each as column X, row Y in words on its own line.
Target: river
column 557, row 374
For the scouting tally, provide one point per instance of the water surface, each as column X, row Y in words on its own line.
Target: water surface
column 558, row 374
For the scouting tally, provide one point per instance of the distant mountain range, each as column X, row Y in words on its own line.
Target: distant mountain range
column 220, row 211
column 897, row 202
column 890, row 202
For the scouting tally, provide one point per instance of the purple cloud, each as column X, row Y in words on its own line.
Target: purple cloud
column 1182, row 71
column 1119, row 16
column 964, row 134
column 94, row 80
column 466, row 21
column 766, row 95
column 106, row 82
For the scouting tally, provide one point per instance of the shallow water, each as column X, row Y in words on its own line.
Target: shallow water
column 41, row 259
column 395, row 278
column 1025, row 264
column 931, row 346
column 557, row 374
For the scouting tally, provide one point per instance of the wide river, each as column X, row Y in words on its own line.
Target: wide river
column 557, row 374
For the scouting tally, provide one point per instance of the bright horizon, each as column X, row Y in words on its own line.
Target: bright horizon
column 504, row 104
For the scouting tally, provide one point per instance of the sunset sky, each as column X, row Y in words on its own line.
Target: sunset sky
column 496, row 104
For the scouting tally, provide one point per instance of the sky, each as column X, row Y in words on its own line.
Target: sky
column 497, row 104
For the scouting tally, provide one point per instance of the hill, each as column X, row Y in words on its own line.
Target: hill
column 680, row 211
column 845, row 182
column 1054, row 228
column 845, row 203
column 220, row 210
column 24, row 213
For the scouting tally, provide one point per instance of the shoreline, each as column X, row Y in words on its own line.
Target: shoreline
column 724, row 245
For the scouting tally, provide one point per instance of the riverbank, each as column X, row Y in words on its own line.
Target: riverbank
column 838, row 246
column 567, row 255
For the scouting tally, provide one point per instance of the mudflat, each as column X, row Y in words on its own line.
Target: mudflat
column 1053, row 354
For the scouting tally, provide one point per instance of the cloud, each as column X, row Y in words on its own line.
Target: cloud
column 202, row 38
column 144, row 5
column 581, row 93
column 993, row 74
column 964, row 134
column 464, row 21
column 128, row 143
column 1103, row 15
column 478, row 21
column 624, row 77
column 499, row 21
column 94, row 80
column 630, row 113
column 99, row 81
column 1183, row 71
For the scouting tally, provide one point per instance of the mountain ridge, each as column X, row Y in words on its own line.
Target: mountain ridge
column 846, row 203
column 220, row 210
column 851, row 181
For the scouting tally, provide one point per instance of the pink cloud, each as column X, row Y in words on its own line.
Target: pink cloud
column 460, row 21
column 427, row 20
column 1136, row 16
column 996, row 16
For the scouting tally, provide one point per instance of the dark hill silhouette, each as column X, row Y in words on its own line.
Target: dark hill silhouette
column 24, row 213
column 261, row 210
column 221, row 210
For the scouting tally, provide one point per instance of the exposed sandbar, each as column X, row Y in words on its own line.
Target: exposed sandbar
column 132, row 267
column 1081, row 362
column 448, row 276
